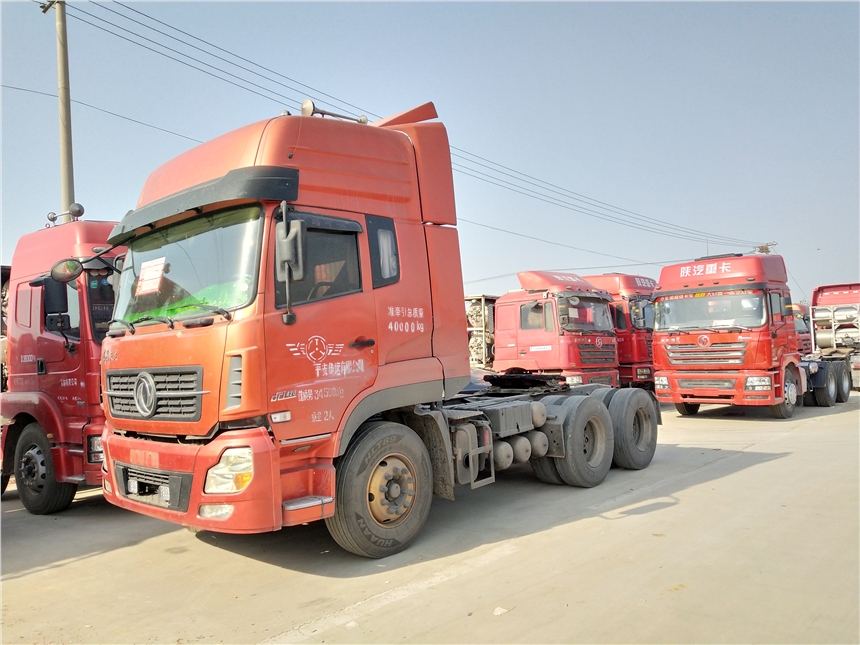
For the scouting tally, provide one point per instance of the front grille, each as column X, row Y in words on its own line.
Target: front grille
column 604, row 380
column 713, row 383
column 716, row 354
column 591, row 354
column 177, row 390
column 162, row 488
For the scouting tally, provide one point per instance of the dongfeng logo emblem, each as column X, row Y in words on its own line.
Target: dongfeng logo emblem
column 703, row 341
column 144, row 394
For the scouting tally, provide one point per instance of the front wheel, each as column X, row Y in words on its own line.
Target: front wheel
column 384, row 490
column 785, row 409
column 687, row 409
column 37, row 484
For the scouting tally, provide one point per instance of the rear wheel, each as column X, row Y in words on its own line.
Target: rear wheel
column 785, row 409
column 40, row 491
column 384, row 490
column 843, row 381
column 687, row 409
column 546, row 471
column 825, row 395
column 588, row 442
column 634, row 425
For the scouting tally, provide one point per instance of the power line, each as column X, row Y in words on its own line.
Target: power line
column 588, row 200
column 554, row 201
column 612, row 216
column 93, row 107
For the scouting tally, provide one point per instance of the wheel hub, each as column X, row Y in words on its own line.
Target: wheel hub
column 791, row 393
column 33, row 471
column 391, row 490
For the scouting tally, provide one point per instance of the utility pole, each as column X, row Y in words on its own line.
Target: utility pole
column 67, row 171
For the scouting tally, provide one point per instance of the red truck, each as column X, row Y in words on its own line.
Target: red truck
column 835, row 327
column 724, row 332
column 558, row 324
column 52, row 416
column 633, row 317
column 290, row 341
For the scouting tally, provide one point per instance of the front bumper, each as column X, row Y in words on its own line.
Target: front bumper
column 716, row 387
column 169, row 478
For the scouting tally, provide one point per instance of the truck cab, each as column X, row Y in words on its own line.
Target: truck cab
column 52, row 413
column 724, row 333
column 557, row 324
column 633, row 317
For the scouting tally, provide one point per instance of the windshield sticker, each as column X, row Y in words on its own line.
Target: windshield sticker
column 709, row 294
column 149, row 280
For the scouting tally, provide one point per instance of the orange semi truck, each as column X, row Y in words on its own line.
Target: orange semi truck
column 633, row 318
column 724, row 332
column 558, row 324
column 52, row 415
column 290, row 341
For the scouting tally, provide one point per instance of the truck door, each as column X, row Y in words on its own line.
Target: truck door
column 316, row 366
column 59, row 358
column 537, row 337
column 782, row 327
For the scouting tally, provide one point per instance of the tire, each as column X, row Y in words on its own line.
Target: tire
column 825, row 395
column 383, row 455
column 843, row 381
column 546, row 471
column 634, row 425
column 809, row 399
column 785, row 409
column 687, row 409
column 38, row 487
column 588, row 442
column 605, row 394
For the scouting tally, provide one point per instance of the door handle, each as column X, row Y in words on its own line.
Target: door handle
column 363, row 343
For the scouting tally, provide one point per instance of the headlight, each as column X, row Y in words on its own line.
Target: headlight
column 661, row 382
column 573, row 380
column 216, row 511
column 757, row 383
column 95, row 452
column 232, row 473
column 643, row 372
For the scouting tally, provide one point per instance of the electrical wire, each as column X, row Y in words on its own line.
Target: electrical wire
column 613, row 214
column 93, row 107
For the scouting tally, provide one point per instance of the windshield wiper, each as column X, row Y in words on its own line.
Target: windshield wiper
column 122, row 322
column 163, row 319
column 729, row 327
column 202, row 305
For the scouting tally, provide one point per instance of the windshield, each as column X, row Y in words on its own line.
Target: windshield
column 584, row 315
column 800, row 325
column 209, row 261
column 644, row 310
column 711, row 310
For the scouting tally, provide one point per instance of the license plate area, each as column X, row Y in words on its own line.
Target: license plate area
column 161, row 488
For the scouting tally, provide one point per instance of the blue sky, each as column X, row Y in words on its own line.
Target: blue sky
column 737, row 120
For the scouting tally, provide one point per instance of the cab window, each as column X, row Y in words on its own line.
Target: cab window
column 332, row 269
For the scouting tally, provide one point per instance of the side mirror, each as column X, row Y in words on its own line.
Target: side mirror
column 290, row 250
column 67, row 270
column 637, row 316
column 785, row 303
column 56, row 297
